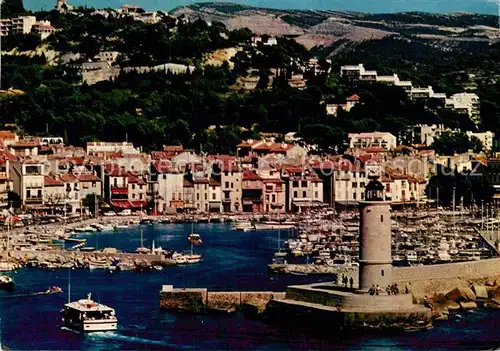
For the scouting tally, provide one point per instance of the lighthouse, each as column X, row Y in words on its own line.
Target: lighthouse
column 375, row 258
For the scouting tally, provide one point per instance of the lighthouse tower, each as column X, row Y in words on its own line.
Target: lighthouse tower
column 375, row 258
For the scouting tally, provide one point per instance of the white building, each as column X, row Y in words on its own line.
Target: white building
column 98, row 147
column 382, row 140
column 486, row 138
column 25, row 25
column 466, row 103
column 28, row 181
column 426, row 134
column 170, row 191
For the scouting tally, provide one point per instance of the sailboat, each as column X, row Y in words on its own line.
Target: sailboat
column 194, row 238
column 279, row 253
column 142, row 249
column 188, row 258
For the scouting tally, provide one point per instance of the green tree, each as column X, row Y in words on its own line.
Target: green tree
column 89, row 201
column 11, row 8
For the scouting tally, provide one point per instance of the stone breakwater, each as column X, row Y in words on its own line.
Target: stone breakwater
column 65, row 259
column 201, row 300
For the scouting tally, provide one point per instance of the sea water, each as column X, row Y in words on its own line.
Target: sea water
column 231, row 261
column 376, row 6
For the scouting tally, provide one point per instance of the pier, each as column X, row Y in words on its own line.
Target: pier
column 201, row 300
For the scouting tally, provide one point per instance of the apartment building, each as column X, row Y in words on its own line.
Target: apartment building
column 486, row 138
column 28, row 181
column 231, row 176
column 201, row 192
column 466, row 103
column 252, row 192
column 383, row 140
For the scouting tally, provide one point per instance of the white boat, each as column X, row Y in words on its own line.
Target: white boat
column 244, row 226
column 89, row 316
column 275, row 226
column 99, row 265
column 6, row 282
column 85, row 229
column 125, row 266
column 120, row 226
column 188, row 258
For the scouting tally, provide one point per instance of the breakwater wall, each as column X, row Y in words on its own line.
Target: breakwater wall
column 430, row 279
column 60, row 256
column 200, row 299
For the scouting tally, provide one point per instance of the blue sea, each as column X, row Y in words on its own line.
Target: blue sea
column 231, row 261
column 375, row 6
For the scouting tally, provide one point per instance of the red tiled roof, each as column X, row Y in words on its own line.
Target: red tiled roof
column 276, row 147
column 68, row 178
column 5, row 134
column 187, row 184
column 173, row 148
column 163, row 166
column 249, row 175
column 201, row 180
column 213, row 182
column 51, row 181
column 87, row 177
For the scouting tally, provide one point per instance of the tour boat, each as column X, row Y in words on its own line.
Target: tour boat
column 89, row 316
column 6, row 282
column 188, row 258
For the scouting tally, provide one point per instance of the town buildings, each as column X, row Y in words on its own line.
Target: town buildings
column 25, row 25
column 464, row 103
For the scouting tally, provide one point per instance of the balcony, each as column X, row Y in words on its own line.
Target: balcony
column 34, row 186
column 32, row 200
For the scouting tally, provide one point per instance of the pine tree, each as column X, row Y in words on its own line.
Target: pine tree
column 11, row 8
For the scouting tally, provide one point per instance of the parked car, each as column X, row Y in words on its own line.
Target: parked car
column 125, row 213
column 110, row 213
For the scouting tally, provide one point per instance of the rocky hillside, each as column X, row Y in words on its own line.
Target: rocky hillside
column 322, row 28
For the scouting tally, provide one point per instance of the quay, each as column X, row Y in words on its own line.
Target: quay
column 201, row 300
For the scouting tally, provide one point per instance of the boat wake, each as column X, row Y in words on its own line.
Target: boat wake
column 71, row 330
column 120, row 337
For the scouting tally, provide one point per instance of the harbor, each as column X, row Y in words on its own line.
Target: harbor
column 232, row 261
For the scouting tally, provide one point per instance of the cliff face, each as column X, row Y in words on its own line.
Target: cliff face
column 312, row 28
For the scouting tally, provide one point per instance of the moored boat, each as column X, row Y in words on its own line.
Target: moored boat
column 6, row 282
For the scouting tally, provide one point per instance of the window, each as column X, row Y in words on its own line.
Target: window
column 295, row 184
column 93, row 184
column 227, row 185
column 226, row 173
column 354, row 196
column 232, row 185
column 115, row 181
column 133, row 186
column 354, row 184
column 273, row 198
column 133, row 196
column 295, row 194
column 164, row 176
column 388, row 188
column 198, row 197
column 206, row 186
column 381, row 218
column 316, row 195
column 315, row 185
column 267, row 197
column 206, row 196
column 382, row 272
column 213, row 196
column 362, row 184
column 304, row 194
column 304, row 183
column 179, row 196
column 28, row 193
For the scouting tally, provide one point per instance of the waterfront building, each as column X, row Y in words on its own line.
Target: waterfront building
column 201, row 193
column 304, row 189
column 28, row 181
column 5, row 181
column 124, row 190
column 252, row 192
column 188, row 194
column 214, row 196
column 169, row 187
column 54, row 192
column 230, row 175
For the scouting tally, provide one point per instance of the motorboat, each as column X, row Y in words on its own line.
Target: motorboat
column 6, row 282
column 244, row 226
column 85, row 229
column 89, row 316
column 125, row 266
column 195, row 239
